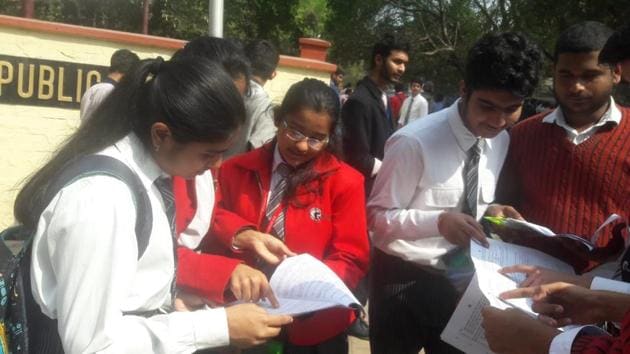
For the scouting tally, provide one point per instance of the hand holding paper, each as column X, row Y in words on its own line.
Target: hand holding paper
column 303, row 284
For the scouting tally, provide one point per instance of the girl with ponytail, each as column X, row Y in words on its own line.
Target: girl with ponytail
column 89, row 277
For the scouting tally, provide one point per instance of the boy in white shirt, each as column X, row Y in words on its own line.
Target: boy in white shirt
column 437, row 179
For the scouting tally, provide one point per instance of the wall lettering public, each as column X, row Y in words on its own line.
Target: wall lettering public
column 39, row 82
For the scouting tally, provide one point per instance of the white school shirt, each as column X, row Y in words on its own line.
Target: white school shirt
column 421, row 177
column 562, row 343
column 198, row 227
column 85, row 271
column 612, row 115
column 92, row 98
column 418, row 109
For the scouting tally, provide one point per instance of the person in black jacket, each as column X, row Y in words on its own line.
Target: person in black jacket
column 366, row 116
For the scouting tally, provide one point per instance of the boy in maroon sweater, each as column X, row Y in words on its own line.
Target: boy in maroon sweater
column 568, row 169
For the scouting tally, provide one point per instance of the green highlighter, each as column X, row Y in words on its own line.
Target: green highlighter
column 497, row 220
column 274, row 347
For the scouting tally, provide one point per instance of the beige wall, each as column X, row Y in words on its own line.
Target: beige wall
column 29, row 134
column 286, row 77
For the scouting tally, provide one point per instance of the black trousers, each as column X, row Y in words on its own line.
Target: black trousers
column 409, row 307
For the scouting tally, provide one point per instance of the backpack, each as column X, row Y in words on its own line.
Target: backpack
column 23, row 327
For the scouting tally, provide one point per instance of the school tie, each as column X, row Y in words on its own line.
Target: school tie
column 471, row 179
column 408, row 113
column 275, row 202
column 165, row 186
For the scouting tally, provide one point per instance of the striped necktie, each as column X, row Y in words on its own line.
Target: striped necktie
column 165, row 186
column 275, row 202
column 471, row 180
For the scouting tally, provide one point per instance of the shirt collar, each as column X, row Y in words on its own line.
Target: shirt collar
column 464, row 137
column 612, row 115
column 277, row 159
column 139, row 157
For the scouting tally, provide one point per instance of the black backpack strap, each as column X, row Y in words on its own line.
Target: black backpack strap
column 98, row 165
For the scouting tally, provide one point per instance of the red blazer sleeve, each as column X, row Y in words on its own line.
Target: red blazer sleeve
column 185, row 202
column 348, row 254
column 203, row 274
column 225, row 222
column 605, row 344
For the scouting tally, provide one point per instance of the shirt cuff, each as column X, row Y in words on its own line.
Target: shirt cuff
column 376, row 167
column 605, row 284
column 210, row 328
column 562, row 343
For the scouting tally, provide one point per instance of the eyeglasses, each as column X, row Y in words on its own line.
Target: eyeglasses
column 295, row 135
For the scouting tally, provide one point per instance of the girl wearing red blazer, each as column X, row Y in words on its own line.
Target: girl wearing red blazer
column 295, row 194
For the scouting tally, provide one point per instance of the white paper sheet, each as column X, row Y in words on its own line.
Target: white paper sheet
column 303, row 284
column 499, row 254
column 464, row 330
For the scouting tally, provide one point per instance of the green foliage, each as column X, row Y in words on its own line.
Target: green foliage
column 310, row 17
column 183, row 19
column 440, row 31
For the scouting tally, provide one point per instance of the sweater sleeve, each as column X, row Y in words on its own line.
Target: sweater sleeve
column 601, row 344
column 509, row 186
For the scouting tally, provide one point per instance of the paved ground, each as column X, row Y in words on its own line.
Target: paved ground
column 359, row 346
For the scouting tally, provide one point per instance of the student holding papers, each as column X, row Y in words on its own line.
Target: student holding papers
column 565, row 168
column 295, row 194
column 437, row 179
column 561, row 304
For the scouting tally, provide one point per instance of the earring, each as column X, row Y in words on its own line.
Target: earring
column 156, row 148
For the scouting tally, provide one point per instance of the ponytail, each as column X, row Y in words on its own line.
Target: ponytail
column 196, row 99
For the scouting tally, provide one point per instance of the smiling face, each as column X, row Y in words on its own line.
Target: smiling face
column 310, row 124
column 581, row 85
column 488, row 112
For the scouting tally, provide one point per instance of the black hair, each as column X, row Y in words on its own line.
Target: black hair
column 195, row 98
column 504, row 61
column 386, row 45
column 264, row 58
column 122, row 61
column 416, row 80
column 339, row 71
column 317, row 96
column 583, row 37
column 226, row 52
column 399, row 87
column 617, row 47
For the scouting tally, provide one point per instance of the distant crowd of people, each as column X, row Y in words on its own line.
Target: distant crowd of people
column 387, row 190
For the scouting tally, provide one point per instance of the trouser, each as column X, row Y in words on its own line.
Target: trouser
column 409, row 307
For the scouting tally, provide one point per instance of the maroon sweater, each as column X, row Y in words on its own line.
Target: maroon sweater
column 568, row 188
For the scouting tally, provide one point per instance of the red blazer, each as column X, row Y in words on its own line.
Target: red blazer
column 206, row 275
column 326, row 219
column 605, row 344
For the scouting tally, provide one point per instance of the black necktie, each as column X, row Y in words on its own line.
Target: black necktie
column 471, row 180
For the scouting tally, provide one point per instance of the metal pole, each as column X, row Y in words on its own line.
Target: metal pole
column 28, row 8
column 145, row 16
column 215, row 22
